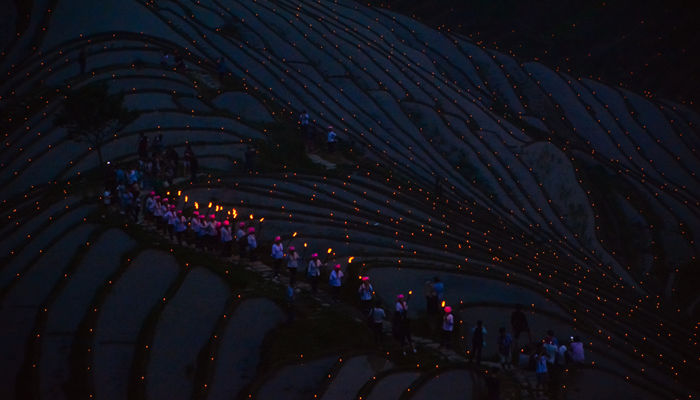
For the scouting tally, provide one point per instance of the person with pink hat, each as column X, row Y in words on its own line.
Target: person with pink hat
column 401, row 325
column 226, row 238
column 292, row 264
column 366, row 292
column 241, row 239
column 277, row 255
column 448, row 323
column 194, row 228
column 252, row 243
column 171, row 217
column 313, row 271
column 335, row 280
column 180, row 226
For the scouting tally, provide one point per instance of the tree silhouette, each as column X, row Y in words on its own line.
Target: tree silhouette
column 91, row 115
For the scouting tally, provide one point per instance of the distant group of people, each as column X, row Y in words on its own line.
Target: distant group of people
column 309, row 133
column 163, row 163
column 210, row 233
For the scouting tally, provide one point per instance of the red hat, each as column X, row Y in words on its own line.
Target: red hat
column 251, row 230
column 241, row 224
column 172, row 206
column 291, row 248
column 218, row 225
column 315, row 255
column 277, row 238
column 226, row 223
column 400, row 297
column 152, row 193
column 165, row 200
column 365, row 279
column 202, row 217
column 179, row 212
column 448, row 309
column 212, row 216
column 157, row 197
column 195, row 213
column 337, row 266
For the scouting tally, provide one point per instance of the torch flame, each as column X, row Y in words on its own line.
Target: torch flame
column 209, row 206
column 179, row 192
column 304, row 244
column 410, row 292
column 251, row 216
column 234, row 213
column 350, row 260
column 294, row 234
column 329, row 250
column 196, row 205
column 186, row 199
column 442, row 304
column 262, row 219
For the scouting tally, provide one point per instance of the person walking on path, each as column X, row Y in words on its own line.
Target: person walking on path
column 313, row 272
column 292, row 264
column 376, row 317
column 252, row 244
column 226, row 238
column 180, row 227
column 478, row 341
column 448, row 323
column 541, row 368
column 505, row 348
column 332, row 139
column 366, row 292
column 335, row 280
column 519, row 324
column 277, row 254
column 241, row 239
column 401, row 326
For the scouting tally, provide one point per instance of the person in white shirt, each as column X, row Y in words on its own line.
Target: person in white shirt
column 252, row 243
column 365, row 291
column 313, row 272
column 292, row 264
column 226, row 238
column 376, row 316
column 180, row 226
column 277, row 255
column 448, row 323
column 335, row 280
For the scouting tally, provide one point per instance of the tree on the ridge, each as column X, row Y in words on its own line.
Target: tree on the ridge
column 91, row 115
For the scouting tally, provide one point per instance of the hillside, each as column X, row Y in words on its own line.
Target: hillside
column 514, row 182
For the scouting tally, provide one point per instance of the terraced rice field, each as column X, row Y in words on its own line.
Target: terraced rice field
column 514, row 182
